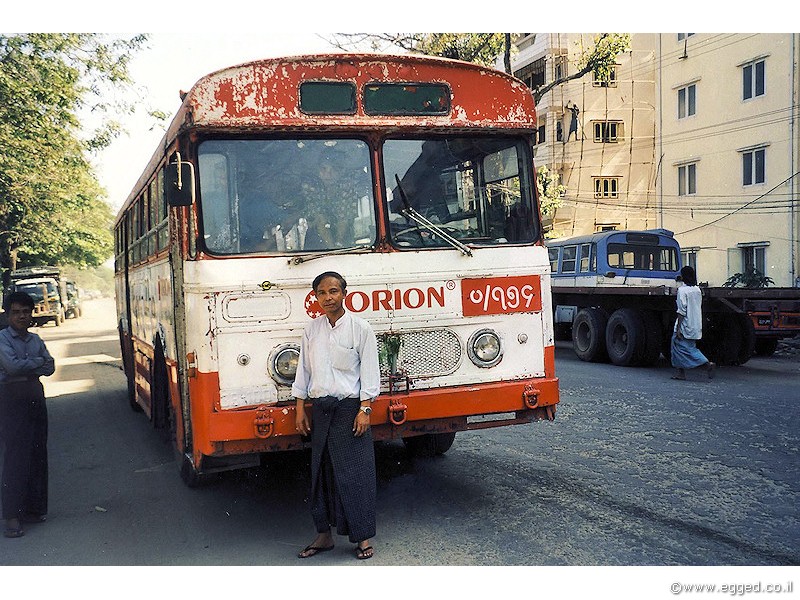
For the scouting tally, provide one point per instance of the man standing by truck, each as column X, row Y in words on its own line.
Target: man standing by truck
column 23, row 417
column 689, row 328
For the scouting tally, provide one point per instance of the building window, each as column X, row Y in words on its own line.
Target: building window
column 687, row 179
column 753, row 80
column 532, row 74
column 687, row 101
column 607, row 131
column 610, row 81
column 754, row 166
column 559, row 67
column 540, row 138
column 689, row 257
column 606, row 187
column 754, row 258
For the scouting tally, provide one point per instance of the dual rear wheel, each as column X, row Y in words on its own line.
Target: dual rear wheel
column 629, row 337
column 638, row 337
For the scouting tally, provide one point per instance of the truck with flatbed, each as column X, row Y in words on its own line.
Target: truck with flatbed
column 614, row 296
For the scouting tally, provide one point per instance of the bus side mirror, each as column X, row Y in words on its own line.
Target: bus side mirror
column 179, row 182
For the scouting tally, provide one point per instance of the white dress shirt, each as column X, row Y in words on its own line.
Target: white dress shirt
column 690, row 301
column 339, row 361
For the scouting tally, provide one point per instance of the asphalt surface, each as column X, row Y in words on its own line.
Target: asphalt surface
column 637, row 469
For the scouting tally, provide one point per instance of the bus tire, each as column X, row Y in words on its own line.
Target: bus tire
column 589, row 335
column 191, row 476
column 161, row 410
column 625, row 337
column 429, row 444
column 766, row 346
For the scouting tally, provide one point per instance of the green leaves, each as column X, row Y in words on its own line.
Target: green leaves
column 752, row 278
column 51, row 205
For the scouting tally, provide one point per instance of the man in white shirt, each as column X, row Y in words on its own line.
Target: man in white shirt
column 338, row 372
column 689, row 328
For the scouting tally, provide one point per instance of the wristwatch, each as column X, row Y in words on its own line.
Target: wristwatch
column 367, row 410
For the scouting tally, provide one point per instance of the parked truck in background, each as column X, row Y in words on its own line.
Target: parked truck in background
column 614, row 295
column 55, row 297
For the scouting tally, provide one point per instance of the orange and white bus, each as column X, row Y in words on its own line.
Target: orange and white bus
column 411, row 176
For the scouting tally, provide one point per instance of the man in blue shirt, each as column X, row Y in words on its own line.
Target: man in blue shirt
column 23, row 417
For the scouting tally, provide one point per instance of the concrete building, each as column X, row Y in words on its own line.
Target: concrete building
column 728, row 142
column 696, row 133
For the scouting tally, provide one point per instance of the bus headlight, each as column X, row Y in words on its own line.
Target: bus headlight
column 283, row 363
column 484, row 348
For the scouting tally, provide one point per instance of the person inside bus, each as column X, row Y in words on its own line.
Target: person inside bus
column 23, row 417
column 338, row 372
column 688, row 328
column 331, row 202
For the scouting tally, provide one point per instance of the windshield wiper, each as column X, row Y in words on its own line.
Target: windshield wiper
column 409, row 212
column 301, row 259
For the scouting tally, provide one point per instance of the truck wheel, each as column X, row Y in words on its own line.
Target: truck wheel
column 748, row 343
column 653, row 338
column 625, row 337
column 766, row 346
column 430, row 444
column 728, row 338
column 589, row 335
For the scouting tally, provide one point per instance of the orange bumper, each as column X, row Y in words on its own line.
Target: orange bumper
column 268, row 428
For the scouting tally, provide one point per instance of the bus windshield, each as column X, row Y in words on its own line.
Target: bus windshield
column 643, row 257
column 285, row 195
column 475, row 189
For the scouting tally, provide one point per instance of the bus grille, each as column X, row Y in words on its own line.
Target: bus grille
column 425, row 353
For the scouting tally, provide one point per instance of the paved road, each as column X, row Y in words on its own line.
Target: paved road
column 636, row 469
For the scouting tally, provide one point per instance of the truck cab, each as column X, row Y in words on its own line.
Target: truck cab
column 43, row 284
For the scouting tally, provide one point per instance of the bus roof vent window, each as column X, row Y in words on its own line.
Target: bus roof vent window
column 407, row 99
column 328, row 98
column 642, row 238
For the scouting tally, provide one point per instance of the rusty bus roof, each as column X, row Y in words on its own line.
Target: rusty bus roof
column 260, row 94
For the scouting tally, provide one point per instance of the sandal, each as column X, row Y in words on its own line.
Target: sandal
column 31, row 518
column 364, row 553
column 13, row 532
column 314, row 550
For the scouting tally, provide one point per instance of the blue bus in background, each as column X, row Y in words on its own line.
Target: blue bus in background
column 631, row 258
column 614, row 294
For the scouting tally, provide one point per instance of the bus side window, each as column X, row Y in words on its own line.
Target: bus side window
column 552, row 253
column 568, row 258
column 593, row 267
column 585, row 249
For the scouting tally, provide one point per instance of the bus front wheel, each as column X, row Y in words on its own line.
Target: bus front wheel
column 191, row 476
column 430, row 444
